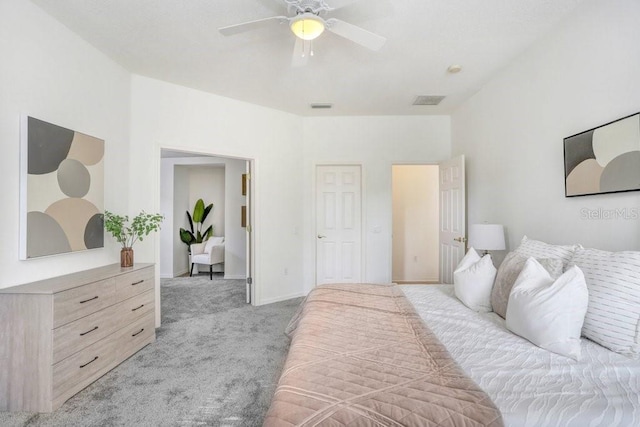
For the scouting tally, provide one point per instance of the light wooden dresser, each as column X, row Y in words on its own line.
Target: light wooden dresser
column 59, row 335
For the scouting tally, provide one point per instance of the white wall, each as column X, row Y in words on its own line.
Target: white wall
column 416, row 219
column 208, row 183
column 376, row 143
column 49, row 73
column 174, row 117
column 583, row 74
column 180, row 258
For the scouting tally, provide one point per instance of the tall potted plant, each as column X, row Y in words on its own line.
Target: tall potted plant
column 127, row 234
column 196, row 222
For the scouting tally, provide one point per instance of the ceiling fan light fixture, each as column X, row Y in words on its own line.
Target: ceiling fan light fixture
column 307, row 26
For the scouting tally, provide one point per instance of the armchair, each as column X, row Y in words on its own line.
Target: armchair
column 210, row 252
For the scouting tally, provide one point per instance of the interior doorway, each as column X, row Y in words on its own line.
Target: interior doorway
column 222, row 181
column 416, row 217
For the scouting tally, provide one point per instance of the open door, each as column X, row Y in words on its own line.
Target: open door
column 246, row 189
column 452, row 216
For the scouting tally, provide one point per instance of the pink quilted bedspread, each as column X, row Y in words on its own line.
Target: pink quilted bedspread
column 361, row 356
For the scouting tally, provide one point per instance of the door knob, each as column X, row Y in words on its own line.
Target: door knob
column 460, row 239
column 321, row 236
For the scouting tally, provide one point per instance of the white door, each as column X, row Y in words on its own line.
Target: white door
column 246, row 186
column 338, row 224
column 452, row 216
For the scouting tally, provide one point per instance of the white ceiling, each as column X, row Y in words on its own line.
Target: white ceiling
column 178, row 41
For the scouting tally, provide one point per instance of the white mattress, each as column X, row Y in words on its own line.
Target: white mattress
column 532, row 386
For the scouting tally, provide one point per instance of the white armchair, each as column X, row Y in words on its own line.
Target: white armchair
column 210, row 252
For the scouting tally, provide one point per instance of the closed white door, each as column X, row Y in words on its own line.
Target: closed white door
column 452, row 216
column 338, row 224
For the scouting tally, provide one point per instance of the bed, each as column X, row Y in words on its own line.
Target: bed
column 388, row 355
column 532, row 386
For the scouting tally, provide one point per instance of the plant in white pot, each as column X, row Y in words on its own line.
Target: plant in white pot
column 127, row 234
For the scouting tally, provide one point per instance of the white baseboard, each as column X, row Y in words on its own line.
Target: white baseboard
column 235, row 276
column 282, row 298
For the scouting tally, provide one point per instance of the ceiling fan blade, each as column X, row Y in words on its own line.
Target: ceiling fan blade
column 301, row 53
column 252, row 25
column 356, row 34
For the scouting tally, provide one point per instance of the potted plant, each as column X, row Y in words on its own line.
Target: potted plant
column 195, row 234
column 127, row 234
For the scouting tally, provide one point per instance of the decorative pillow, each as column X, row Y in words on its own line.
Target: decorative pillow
column 213, row 241
column 549, row 312
column 470, row 258
column 613, row 316
column 473, row 280
column 508, row 273
column 537, row 249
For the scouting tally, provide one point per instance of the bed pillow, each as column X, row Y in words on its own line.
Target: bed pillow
column 549, row 312
column 473, row 280
column 613, row 316
column 508, row 273
column 537, row 249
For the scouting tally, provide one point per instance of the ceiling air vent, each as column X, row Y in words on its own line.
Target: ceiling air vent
column 318, row 106
column 428, row 100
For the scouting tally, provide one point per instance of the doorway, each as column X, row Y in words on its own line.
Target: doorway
column 415, row 229
column 222, row 181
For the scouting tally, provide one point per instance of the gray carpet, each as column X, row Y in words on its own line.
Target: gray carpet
column 215, row 362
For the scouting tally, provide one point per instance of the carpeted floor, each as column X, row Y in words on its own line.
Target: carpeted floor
column 215, row 362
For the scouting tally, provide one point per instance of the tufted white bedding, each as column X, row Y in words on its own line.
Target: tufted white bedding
column 532, row 386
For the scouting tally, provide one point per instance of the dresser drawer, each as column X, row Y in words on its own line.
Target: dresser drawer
column 133, row 283
column 82, row 368
column 136, row 335
column 137, row 306
column 82, row 301
column 81, row 333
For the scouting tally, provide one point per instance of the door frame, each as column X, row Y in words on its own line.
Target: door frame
column 252, row 264
column 314, row 216
column 402, row 163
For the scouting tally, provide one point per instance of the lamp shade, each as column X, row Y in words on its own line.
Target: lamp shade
column 307, row 26
column 488, row 237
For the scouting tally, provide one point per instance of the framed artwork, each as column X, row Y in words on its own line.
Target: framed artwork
column 244, row 184
column 605, row 159
column 61, row 190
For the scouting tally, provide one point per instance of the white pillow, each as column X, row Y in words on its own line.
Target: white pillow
column 473, row 280
column 549, row 312
column 537, row 249
column 508, row 273
column 613, row 316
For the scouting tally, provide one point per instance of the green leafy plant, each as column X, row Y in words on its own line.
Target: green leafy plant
column 127, row 234
column 195, row 233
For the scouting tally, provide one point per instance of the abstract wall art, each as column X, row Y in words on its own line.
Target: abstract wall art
column 605, row 159
column 61, row 190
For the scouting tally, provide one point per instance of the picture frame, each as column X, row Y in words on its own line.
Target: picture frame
column 604, row 159
column 61, row 190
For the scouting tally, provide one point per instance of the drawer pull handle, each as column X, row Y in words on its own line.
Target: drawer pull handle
column 94, row 359
column 137, row 308
column 138, row 333
column 90, row 299
column 91, row 330
column 137, row 283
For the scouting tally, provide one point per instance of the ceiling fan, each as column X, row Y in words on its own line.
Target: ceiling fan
column 307, row 22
